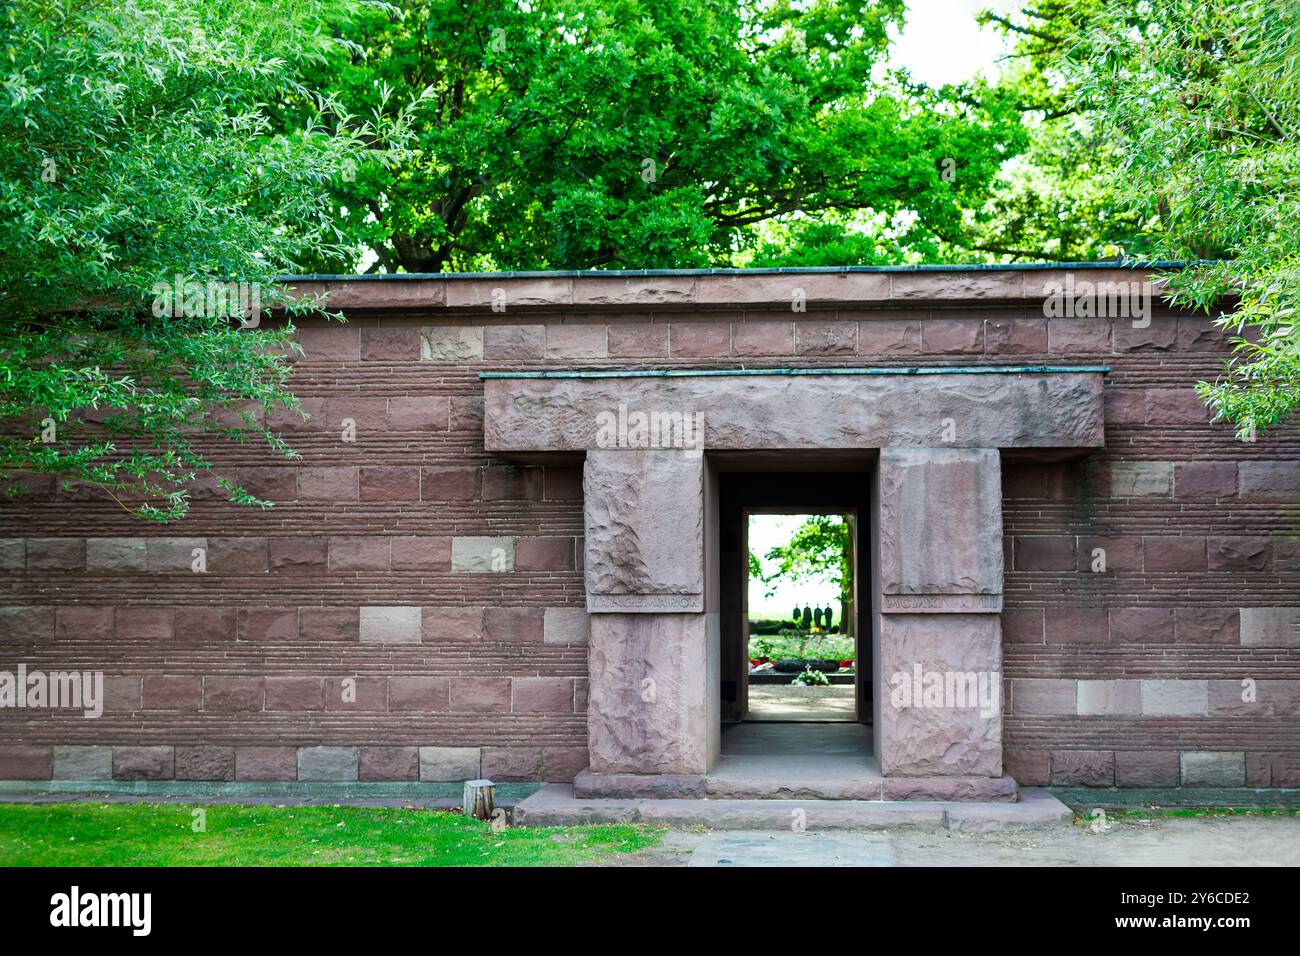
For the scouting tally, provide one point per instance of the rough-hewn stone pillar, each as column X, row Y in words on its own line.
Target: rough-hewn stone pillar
column 939, row 647
column 653, row 651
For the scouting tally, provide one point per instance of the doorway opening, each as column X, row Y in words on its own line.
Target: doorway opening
column 801, row 648
column 772, row 729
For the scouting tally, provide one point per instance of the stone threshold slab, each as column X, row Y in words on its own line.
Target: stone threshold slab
column 746, row 784
column 556, row 805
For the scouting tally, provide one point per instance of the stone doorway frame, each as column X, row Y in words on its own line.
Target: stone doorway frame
column 820, row 490
column 651, row 523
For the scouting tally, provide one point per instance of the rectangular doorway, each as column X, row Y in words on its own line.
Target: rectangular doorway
column 801, row 647
column 764, row 511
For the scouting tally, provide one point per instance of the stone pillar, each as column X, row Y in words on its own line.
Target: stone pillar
column 938, row 635
column 653, row 650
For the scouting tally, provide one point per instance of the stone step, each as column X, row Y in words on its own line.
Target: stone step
column 556, row 805
column 755, row 778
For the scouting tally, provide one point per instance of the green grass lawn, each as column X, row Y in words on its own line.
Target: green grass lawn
column 134, row 834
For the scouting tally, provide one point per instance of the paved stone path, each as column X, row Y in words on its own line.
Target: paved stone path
column 1160, row 841
column 791, row 849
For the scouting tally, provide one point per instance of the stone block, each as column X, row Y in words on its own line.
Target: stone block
column 300, row 694
column 390, row 344
column 391, row 625
column 390, row 483
column 543, row 695
column 1173, row 553
column 940, row 522
column 477, row 555
column 329, row 624
column 359, row 553
column 1238, row 552
column 1205, row 479
column 1044, row 696
column 1206, row 625
column 446, row 764
column 652, row 707
column 1146, row 768
column 266, row 764
column 449, row 483
column 440, row 624
column 1141, row 479
column 56, row 554
column 21, row 762
column 513, row 343
column 544, row 554
column 144, row 763
column 13, row 554
column 175, row 554
column 1270, row 626
column 889, row 337
column 1110, row 698
column 585, row 341
column 566, row 625
column 1142, row 625
column 644, row 527
column 396, row 764
column 505, row 764
column 1270, row 479
column 1175, row 698
column 205, row 762
column 83, row 763
column 271, row 624
column 324, row 764
column 481, row 695
column 417, row 694
column 1213, row 768
column 638, row 340
column 514, row 624
column 298, row 554
column 780, row 412
column 961, row 736
column 451, row 343
column 1083, row 768
column 421, row 553
column 116, row 554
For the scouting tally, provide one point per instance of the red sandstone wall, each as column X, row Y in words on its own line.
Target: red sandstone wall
column 226, row 674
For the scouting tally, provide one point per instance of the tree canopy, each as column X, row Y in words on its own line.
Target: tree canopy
column 667, row 133
column 147, row 206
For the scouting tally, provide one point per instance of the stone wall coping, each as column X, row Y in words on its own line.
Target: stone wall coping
column 727, row 373
column 782, row 270
column 695, row 290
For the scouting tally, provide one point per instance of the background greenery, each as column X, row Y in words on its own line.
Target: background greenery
column 220, row 140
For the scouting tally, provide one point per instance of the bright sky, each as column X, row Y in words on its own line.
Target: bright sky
column 765, row 533
column 942, row 43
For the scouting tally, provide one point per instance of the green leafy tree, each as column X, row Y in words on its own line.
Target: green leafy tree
column 820, row 550
column 1058, row 200
column 658, row 133
column 146, row 207
column 1202, row 98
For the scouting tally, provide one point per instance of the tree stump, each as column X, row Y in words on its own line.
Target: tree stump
column 480, row 799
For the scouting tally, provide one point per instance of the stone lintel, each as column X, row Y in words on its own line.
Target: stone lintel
column 779, row 412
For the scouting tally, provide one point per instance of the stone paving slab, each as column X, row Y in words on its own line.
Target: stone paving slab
column 793, row 849
column 556, row 805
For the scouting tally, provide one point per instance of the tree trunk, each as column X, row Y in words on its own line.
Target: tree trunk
column 480, row 799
